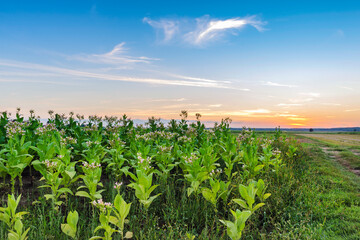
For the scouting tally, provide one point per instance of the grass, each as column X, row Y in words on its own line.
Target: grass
column 344, row 140
column 333, row 193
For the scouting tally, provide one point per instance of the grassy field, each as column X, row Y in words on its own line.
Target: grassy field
column 344, row 148
column 337, row 139
column 332, row 183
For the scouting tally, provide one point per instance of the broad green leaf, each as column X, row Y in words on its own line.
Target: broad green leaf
column 267, row 195
column 241, row 202
column 68, row 230
column 82, row 194
column 258, row 206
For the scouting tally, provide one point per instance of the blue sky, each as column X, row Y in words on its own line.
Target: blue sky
column 262, row 63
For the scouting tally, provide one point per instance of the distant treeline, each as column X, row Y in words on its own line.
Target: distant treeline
column 347, row 129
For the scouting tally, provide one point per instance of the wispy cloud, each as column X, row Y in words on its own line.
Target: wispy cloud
column 202, row 30
column 118, row 55
column 12, row 80
column 181, row 106
column 168, row 100
column 278, row 85
column 208, row 29
column 289, row 104
column 297, row 124
column 297, row 118
column 352, row 110
column 311, row 94
column 168, row 27
column 245, row 113
column 113, row 77
column 215, row 105
column 302, row 100
column 287, row 115
column 257, row 111
column 331, row 104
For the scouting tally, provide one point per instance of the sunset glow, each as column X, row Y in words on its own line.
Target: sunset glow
column 296, row 66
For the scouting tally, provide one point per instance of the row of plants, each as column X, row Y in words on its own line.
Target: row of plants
column 71, row 158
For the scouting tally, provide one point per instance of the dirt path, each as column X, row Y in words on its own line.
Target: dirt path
column 334, row 154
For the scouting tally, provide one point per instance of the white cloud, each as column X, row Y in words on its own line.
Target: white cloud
column 208, row 29
column 257, row 111
column 201, row 30
column 298, row 118
column 289, row 104
column 311, row 94
column 215, row 105
column 331, row 104
column 244, row 113
column 303, row 100
column 116, row 56
column 279, row 85
column 168, row 27
column 168, row 100
column 287, row 115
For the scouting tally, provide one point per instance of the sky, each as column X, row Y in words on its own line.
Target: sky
column 261, row 63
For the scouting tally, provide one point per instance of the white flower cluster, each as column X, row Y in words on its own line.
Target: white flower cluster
column 141, row 159
column 215, row 171
column 190, row 159
column 244, row 135
column 266, row 143
column 91, row 128
column 116, row 141
column 91, row 165
column 89, row 143
column 184, row 139
column 165, row 149
column 50, row 164
column 118, row 185
column 276, row 152
column 156, row 134
column 48, row 128
column 15, row 128
column 101, row 204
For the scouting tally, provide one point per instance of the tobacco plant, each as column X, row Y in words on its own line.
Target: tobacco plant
column 14, row 158
column 143, row 187
column 91, row 179
column 196, row 173
column 234, row 228
column 70, row 228
column 52, row 172
column 121, row 210
column 13, row 219
column 249, row 193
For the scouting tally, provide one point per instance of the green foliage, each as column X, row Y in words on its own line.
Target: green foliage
column 58, row 178
column 70, row 228
column 13, row 219
column 121, row 211
column 219, row 190
column 14, row 158
column 193, row 168
column 91, row 179
column 235, row 228
column 143, row 187
column 249, row 193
